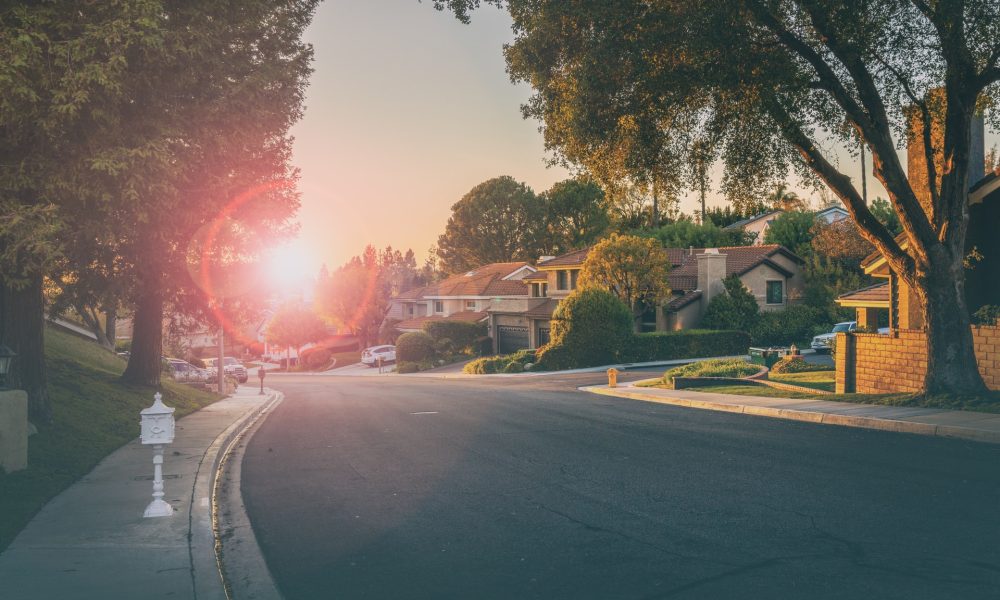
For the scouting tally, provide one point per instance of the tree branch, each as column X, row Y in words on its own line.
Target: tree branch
column 870, row 227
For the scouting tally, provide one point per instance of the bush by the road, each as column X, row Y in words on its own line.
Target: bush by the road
column 730, row 367
column 408, row 366
column 483, row 346
column 503, row 363
column 316, row 358
column 794, row 324
column 689, row 343
column 592, row 326
column 796, row 364
column 414, row 346
column 463, row 335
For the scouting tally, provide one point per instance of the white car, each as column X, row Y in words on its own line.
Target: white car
column 185, row 372
column 822, row 343
column 231, row 367
column 371, row 355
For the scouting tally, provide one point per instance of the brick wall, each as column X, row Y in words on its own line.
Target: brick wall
column 868, row 363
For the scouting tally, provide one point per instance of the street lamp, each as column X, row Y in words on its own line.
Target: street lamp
column 6, row 358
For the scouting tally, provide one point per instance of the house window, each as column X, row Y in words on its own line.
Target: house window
column 572, row 278
column 536, row 290
column 409, row 308
column 438, row 306
column 775, row 292
column 544, row 289
column 470, row 305
column 561, row 280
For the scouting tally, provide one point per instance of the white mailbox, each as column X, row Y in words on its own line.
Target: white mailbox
column 157, row 426
column 157, row 422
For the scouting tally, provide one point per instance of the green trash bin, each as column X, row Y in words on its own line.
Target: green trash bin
column 767, row 356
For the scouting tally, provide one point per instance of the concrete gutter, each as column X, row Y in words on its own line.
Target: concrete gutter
column 967, row 425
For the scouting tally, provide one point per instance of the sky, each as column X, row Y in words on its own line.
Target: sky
column 406, row 111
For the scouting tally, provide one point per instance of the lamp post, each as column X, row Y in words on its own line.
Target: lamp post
column 6, row 359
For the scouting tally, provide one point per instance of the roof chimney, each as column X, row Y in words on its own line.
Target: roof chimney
column 711, row 272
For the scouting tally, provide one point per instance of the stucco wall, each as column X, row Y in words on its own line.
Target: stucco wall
column 756, row 281
column 686, row 318
column 868, row 363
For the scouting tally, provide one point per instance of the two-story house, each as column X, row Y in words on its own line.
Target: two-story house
column 462, row 297
column 772, row 273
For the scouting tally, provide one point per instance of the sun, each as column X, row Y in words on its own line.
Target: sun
column 289, row 265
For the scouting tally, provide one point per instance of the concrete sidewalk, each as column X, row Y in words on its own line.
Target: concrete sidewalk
column 91, row 541
column 969, row 425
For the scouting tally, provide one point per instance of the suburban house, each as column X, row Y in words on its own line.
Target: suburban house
column 756, row 224
column 771, row 272
column 897, row 362
column 462, row 297
column 832, row 214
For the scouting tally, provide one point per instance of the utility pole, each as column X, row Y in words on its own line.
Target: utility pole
column 864, row 178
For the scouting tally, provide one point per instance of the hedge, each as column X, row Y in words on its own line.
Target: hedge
column 795, row 324
column 593, row 326
column 462, row 335
column 690, row 343
column 415, row 346
column 504, row 363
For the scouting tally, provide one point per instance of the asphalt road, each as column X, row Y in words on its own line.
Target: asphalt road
column 525, row 488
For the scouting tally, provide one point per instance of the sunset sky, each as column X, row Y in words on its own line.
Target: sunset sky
column 406, row 111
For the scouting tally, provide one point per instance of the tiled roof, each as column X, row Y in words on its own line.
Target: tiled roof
column 543, row 310
column 570, row 259
column 466, row 316
column 739, row 259
column 486, row 280
column 878, row 293
column 682, row 300
column 536, row 276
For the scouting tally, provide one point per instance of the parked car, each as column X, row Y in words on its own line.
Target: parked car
column 231, row 367
column 822, row 342
column 371, row 355
column 184, row 372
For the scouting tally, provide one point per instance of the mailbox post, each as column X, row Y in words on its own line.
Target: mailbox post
column 260, row 375
column 157, row 429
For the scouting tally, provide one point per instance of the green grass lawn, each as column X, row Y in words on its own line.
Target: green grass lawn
column 989, row 403
column 93, row 415
column 819, row 380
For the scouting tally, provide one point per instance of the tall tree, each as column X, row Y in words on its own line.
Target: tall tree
column 497, row 221
column 294, row 325
column 576, row 215
column 776, row 81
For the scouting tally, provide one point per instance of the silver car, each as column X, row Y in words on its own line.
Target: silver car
column 822, row 342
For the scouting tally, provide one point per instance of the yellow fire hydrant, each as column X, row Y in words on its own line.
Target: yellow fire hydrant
column 612, row 377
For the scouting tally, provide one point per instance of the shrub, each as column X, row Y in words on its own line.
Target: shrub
column 483, row 346
column 796, row 364
column 462, row 335
column 794, row 324
column 736, row 309
column 552, row 357
column 414, row 347
column 691, row 343
column 513, row 367
column 487, row 365
column 317, row 358
column 732, row 367
column 444, row 346
column 414, row 366
column 987, row 315
column 593, row 326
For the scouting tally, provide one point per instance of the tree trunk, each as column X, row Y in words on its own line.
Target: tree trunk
column 22, row 328
column 951, row 359
column 147, row 330
column 111, row 325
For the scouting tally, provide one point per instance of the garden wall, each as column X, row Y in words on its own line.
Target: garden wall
column 868, row 363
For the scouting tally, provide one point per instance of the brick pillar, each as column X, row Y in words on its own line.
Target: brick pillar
column 845, row 364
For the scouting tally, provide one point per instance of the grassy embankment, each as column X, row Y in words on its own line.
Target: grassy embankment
column 93, row 415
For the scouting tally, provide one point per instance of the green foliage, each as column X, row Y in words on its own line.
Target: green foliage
column 631, row 268
column 497, row 221
column 414, row 346
column 886, row 214
column 731, row 367
column 827, row 279
column 736, row 309
column 592, row 325
column 552, row 357
column 317, row 358
column 94, row 413
column 686, row 233
column 793, row 230
column 462, row 335
column 690, row 343
column 406, row 366
column 513, row 367
column 792, row 325
column 987, row 315
column 796, row 364
column 387, row 332
column 576, row 215
column 720, row 216
column 483, row 346
column 504, row 363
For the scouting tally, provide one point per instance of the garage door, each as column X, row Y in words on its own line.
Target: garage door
column 510, row 339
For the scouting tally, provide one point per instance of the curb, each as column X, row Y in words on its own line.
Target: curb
column 202, row 539
column 241, row 563
column 791, row 414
